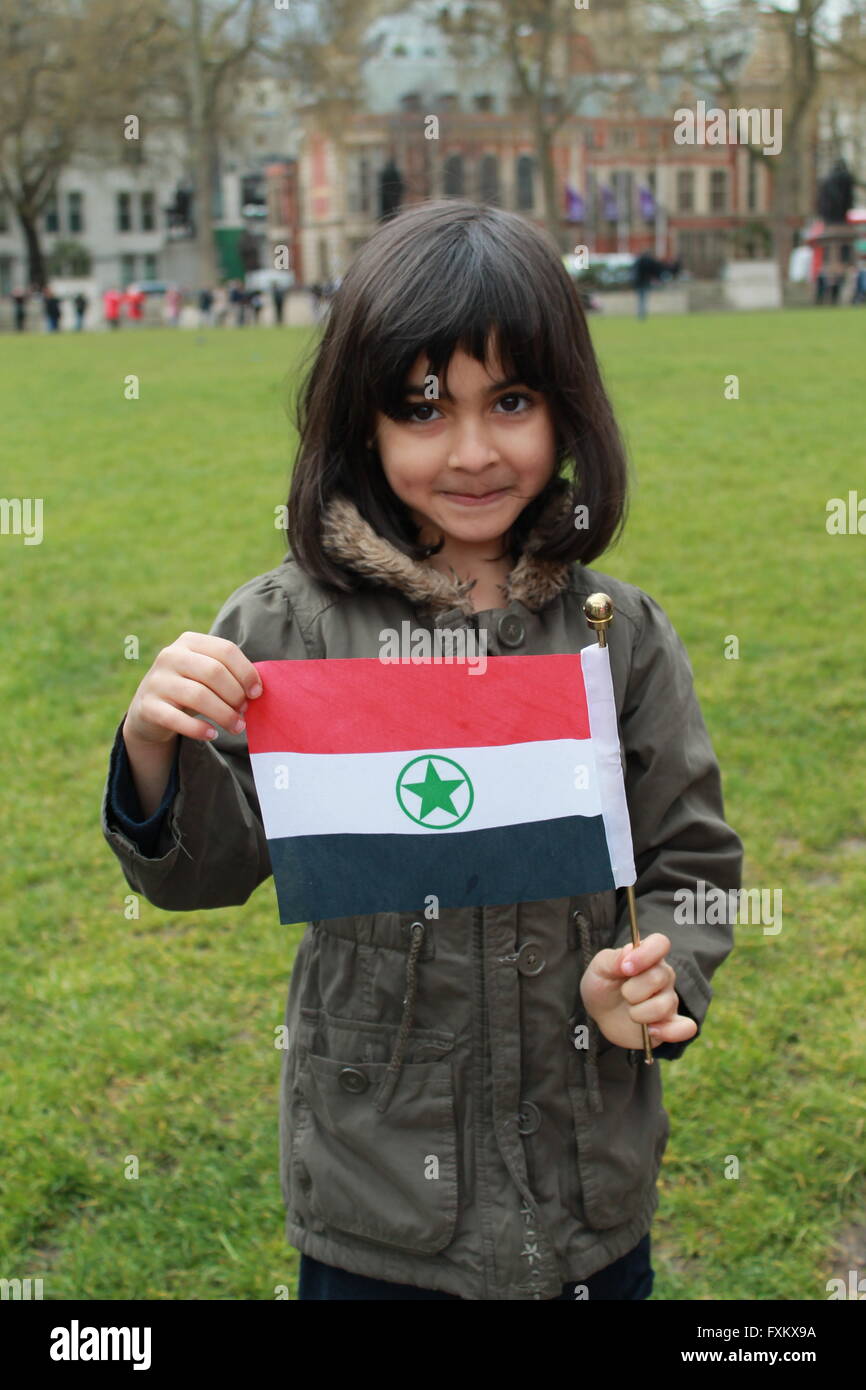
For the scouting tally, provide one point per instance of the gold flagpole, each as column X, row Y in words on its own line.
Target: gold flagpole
column 598, row 610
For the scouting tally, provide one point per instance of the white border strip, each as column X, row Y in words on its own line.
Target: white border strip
column 604, row 732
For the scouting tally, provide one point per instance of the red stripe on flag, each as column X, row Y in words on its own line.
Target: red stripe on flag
column 362, row 705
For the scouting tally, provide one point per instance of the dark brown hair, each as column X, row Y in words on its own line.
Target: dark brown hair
column 439, row 276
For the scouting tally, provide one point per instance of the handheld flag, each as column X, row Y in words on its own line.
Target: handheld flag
column 382, row 784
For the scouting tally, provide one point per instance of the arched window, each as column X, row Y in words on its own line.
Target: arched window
column 488, row 179
column 452, row 183
column 525, row 181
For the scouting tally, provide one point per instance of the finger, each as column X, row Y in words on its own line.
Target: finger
column 167, row 716
column 606, row 963
column 654, row 1010
column 675, row 1030
column 650, row 982
column 190, row 696
column 649, row 952
column 210, row 671
column 230, row 654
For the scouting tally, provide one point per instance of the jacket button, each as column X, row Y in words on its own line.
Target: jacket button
column 353, row 1080
column 530, row 961
column 511, row 630
column 528, row 1118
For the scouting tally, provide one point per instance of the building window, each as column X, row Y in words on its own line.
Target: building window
column 452, row 182
column 685, row 190
column 124, row 212
column 52, row 214
column 525, row 183
column 5, row 275
column 484, row 101
column 411, row 101
column 447, row 101
column 127, row 270
column 623, row 137
column 359, row 193
column 4, row 214
column 651, row 181
column 148, row 212
column 488, row 179
column 150, row 267
column 752, row 185
column 718, row 190
column 75, row 211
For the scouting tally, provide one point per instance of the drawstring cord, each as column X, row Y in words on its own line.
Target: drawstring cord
column 593, row 1088
column 386, row 1090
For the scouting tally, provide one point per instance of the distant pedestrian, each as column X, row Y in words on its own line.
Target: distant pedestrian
column 278, row 296
column 52, row 309
column 205, row 305
column 134, row 302
column 255, row 302
column 220, row 305
column 172, row 306
column 19, row 304
column 79, row 304
column 238, row 300
column 111, row 301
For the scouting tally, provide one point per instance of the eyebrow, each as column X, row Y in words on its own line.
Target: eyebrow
column 414, row 390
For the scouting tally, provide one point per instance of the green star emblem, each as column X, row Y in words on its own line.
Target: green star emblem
column 434, row 791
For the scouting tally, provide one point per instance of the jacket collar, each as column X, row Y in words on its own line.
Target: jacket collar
column 351, row 540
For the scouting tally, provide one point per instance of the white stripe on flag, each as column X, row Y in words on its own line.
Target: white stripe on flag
column 356, row 793
column 604, row 735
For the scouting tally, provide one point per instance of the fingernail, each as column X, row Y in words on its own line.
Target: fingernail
column 256, row 690
column 628, row 966
column 239, row 726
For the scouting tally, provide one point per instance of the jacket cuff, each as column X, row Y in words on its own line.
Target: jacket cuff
column 123, row 807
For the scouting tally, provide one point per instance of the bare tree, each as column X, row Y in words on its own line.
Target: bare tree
column 207, row 47
column 62, row 65
column 558, row 56
column 715, row 52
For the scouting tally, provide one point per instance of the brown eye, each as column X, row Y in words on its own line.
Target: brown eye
column 516, row 396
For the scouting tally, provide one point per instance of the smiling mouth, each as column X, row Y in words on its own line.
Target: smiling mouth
column 477, row 497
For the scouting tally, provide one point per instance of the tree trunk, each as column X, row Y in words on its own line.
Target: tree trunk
column 35, row 259
column 202, row 153
column 203, row 171
column 544, row 146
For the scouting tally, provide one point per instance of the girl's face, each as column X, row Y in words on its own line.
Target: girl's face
column 467, row 464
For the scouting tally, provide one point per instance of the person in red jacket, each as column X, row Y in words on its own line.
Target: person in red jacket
column 134, row 301
column 111, row 307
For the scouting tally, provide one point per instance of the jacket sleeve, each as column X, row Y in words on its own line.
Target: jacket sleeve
column 124, row 807
column 210, row 849
column 679, row 832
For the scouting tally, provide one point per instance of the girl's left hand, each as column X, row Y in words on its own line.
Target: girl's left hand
column 623, row 989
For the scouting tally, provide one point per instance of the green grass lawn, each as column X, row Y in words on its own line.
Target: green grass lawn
column 154, row 1037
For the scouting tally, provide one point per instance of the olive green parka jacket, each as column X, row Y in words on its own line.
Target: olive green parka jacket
column 449, row 1115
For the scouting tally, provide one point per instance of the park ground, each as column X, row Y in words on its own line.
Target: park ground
column 155, row 1037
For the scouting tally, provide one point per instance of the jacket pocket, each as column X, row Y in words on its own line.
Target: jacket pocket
column 388, row 1177
column 620, row 1148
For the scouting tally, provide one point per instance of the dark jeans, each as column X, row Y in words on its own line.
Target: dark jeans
column 629, row 1277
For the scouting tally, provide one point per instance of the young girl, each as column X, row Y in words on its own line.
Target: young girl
column 465, row 1112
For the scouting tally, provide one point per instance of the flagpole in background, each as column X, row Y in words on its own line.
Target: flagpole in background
column 598, row 611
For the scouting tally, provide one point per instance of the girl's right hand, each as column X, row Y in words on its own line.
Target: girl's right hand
column 199, row 673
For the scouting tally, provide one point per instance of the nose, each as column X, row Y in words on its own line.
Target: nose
column 471, row 448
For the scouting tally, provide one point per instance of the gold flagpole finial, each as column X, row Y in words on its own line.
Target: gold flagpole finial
column 598, row 611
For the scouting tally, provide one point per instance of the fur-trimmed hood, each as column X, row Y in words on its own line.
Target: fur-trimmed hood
column 351, row 540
